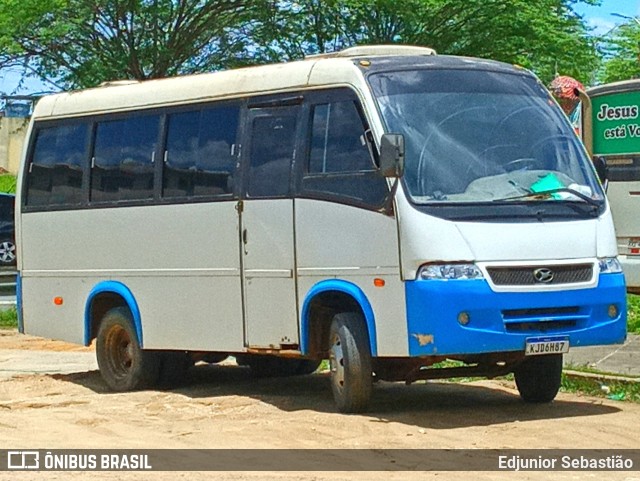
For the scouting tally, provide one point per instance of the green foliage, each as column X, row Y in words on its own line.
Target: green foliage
column 601, row 387
column 8, row 318
column 81, row 43
column 8, row 183
column 542, row 35
column 622, row 48
column 633, row 313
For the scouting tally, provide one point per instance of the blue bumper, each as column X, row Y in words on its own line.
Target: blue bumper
column 500, row 322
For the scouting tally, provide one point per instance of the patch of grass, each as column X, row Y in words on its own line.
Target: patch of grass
column 604, row 388
column 8, row 183
column 9, row 318
column 633, row 313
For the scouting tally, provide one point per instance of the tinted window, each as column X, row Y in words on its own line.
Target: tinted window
column 55, row 173
column 338, row 141
column 340, row 164
column 123, row 159
column 272, row 150
column 200, row 158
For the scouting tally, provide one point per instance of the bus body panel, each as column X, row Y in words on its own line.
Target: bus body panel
column 429, row 239
column 147, row 252
column 355, row 245
column 268, row 268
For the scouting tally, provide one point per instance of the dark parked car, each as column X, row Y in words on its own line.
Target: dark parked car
column 7, row 230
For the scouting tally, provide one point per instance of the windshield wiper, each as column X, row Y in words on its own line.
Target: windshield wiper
column 579, row 195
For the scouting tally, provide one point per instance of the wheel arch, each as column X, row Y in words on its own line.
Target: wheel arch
column 325, row 299
column 103, row 297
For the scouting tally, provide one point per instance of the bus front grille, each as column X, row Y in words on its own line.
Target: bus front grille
column 541, row 275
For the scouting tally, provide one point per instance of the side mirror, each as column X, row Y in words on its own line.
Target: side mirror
column 392, row 155
column 601, row 168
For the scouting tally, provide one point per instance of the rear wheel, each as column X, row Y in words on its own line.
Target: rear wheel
column 538, row 378
column 124, row 366
column 350, row 362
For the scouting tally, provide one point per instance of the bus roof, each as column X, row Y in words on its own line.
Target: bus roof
column 615, row 87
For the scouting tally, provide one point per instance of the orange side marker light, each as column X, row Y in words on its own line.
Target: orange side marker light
column 58, row 301
column 378, row 282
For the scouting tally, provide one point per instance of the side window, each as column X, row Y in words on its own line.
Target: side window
column 200, row 158
column 273, row 137
column 339, row 165
column 122, row 167
column 55, row 172
column 338, row 142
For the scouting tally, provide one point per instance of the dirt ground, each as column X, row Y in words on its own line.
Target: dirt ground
column 222, row 406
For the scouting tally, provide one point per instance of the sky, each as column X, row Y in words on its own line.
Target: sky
column 600, row 18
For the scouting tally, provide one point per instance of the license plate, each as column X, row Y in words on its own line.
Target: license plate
column 537, row 346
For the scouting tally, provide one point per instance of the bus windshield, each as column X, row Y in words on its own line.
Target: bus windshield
column 475, row 136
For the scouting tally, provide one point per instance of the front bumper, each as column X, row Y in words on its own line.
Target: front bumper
column 500, row 322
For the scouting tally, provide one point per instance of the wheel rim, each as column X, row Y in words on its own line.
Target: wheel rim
column 7, row 251
column 336, row 363
column 120, row 352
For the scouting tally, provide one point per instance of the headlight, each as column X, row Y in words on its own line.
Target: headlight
column 609, row 265
column 450, row 271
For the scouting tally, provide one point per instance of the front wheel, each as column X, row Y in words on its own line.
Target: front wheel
column 350, row 362
column 123, row 364
column 538, row 378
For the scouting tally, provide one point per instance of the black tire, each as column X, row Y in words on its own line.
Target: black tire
column 350, row 362
column 174, row 368
column 124, row 366
column 7, row 252
column 538, row 378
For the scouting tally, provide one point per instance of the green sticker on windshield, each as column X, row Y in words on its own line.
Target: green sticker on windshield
column 547, row 183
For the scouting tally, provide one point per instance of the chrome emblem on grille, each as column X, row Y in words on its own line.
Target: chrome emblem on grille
column 543, row 275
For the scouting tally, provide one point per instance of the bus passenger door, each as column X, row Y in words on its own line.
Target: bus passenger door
column 266, row 228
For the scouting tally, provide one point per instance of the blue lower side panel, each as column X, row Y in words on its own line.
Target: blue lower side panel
column 19, row 303
column 499, row 322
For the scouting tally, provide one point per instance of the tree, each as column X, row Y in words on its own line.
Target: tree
column 622, row 50
column 81, row 43
column 543, row 35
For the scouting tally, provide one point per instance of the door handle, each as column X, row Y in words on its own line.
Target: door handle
column 244, row 241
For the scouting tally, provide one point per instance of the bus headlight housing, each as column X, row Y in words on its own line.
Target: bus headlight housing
column 449, row 271
column 609, row 265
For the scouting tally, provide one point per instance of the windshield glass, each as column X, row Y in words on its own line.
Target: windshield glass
column 476, row 136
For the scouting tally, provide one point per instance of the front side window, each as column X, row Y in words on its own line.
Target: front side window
column 483, row 136
column 340, row 165
column 338, row 142
column 55, row 173
column 124, row 152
